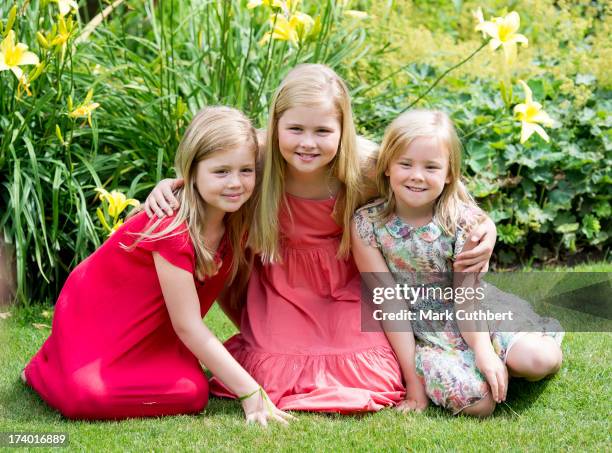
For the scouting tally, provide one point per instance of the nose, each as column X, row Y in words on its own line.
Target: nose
column 234, row 180
column 416, row 174
column 307, row 141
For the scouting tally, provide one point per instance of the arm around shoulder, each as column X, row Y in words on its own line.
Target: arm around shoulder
column 161, row 200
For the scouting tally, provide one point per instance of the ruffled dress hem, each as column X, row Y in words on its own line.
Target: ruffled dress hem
column 365, row 380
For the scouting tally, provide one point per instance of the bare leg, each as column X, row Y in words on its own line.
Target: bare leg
column 23, row 378
column 534, row 357
column 483, row 408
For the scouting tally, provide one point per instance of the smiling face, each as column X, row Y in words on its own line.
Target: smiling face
column 418, row 174
column 309, row 137
column 226, row 179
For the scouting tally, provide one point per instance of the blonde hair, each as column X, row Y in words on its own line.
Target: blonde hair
column 309, row 85
column 398, row 136
column 211, row 130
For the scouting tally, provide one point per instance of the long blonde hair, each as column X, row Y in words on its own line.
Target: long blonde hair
column 309, row 85
column 211, row 130
column 398, row 136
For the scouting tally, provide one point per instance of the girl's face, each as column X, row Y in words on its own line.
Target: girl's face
column 418, row 174
column 308, row 137
column 226, row 179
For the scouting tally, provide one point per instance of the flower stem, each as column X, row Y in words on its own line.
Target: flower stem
column 433, row 85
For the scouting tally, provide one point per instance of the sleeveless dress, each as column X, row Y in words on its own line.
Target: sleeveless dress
column 444, row 361
column 113, row 352
column 301, row 335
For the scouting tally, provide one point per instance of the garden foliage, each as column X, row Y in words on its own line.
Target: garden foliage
column 106, row 105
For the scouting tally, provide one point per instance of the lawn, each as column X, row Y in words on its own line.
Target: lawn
column 567, row 412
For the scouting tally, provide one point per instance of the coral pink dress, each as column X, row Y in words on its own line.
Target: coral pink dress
column 113, row 352
column 301, row 333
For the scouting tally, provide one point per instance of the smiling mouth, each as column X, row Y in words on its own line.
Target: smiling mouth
column 415, row 189
column 233, row 196
column 307, row 156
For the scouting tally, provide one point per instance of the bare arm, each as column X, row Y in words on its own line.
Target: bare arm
column 184, row 309
column 370, row 260
column 477, row 335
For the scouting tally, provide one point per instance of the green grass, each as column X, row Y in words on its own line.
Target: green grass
column 570, row 411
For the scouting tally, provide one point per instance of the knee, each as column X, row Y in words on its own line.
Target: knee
column 545, row 360
column 195, row 393
column 84, row 402
column 482, row 409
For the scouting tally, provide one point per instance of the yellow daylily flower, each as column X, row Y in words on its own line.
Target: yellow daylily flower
column 273, row 3
column 287, row 6
column 283, row 30
column 530, row 114
column 85, row 109
column 14, row 55
column 295, row 29
column 302, row 23
column 502, row 31
column 63, row 33
column 65, row 6
column 480, row 18
column 353, row 13
column 117, row 201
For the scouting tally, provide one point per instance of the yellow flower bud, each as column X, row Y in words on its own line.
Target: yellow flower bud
column 42, row 40
column 58, row 133
column 36, row 72
column 11, row 19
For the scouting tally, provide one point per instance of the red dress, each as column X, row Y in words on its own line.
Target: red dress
column 112, row 352
column 300, row 332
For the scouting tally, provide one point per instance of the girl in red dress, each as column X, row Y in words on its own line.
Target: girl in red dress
column 127, row 333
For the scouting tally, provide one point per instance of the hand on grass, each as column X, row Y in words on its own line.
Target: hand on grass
column 415, row 400
column 259, row 409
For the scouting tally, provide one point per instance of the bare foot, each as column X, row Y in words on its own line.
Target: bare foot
column 23, row 378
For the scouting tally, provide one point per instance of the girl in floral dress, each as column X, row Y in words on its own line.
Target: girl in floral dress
column 420, row 226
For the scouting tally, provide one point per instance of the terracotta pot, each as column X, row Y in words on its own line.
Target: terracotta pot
column 7, row 273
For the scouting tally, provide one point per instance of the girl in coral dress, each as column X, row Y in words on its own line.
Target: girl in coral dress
column 127, row 332
column 300, row 326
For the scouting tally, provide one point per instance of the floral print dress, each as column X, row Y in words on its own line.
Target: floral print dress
column 444, row 360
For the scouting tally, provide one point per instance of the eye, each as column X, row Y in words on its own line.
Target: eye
column 405, row 164
column 295, row 128
column 433, row 167
column 248, row 170
column 221, row 172
column 323, row 131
